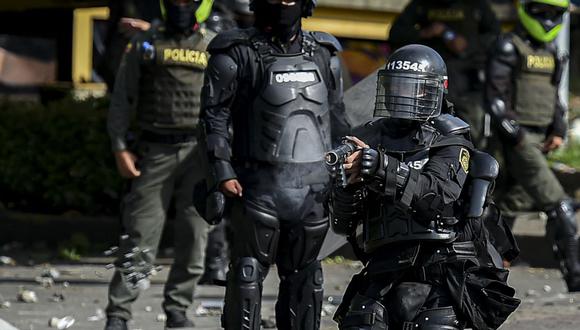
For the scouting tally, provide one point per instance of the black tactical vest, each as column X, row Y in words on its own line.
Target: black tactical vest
column 171, row 81
column 535, row 96
column 386, row 222
column 289, row 119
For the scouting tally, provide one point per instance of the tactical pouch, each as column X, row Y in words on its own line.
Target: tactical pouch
column 481, row 294
column 210, row 205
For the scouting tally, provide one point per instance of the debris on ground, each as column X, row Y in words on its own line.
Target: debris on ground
column 161, row 317
column 7, row 261
column 61, row 323
column 148, row 309
column 57, row 297
column 547, row 288
column 99, row 316
column 209, row 308
column 50, row 273
column 5, row 304
column 45, row 282
column 532, row 293
column 334, row 300
column 27, row 296
column 328, row 309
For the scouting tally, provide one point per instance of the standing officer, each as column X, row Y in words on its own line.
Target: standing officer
column 281, row 89
column 161, row 76
column 424, row 247
column 461, row 31
column 523, row 76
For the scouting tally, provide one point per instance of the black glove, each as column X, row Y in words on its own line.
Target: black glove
column 370, row 161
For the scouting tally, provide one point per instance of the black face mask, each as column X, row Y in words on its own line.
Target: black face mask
column 283, row 21
column 181, row 17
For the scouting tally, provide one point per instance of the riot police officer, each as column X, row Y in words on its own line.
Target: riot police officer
column 461, row 31
column 422, row 251
column 161, row 76
column 523, row 76
column 281, row 89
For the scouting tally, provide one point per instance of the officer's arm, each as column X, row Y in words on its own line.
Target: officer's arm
column 501, row 66
column 125, row 96
column 338, row 119
column 217, row 95
column 559, row 126
column 405, row 29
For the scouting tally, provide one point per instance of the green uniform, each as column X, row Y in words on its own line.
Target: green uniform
column 526, row 77
column 476, row 22
column 160, row 78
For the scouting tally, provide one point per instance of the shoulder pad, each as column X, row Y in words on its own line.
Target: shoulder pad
column 448, row 124
column 228, row 39
column 327, row 40
column 505, row 46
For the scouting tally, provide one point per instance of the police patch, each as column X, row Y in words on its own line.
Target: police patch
column 464, row 159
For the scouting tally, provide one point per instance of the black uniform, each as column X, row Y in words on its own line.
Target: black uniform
column 424, row 245
column 476, row 22
column 284, row 104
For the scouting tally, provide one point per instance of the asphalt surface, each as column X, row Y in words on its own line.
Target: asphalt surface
column 546, row 305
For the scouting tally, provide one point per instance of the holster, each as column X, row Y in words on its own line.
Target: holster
column 358, row 283
column 210, row 204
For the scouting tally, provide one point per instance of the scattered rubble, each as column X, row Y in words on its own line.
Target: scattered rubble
column 209, row 308
column 148, row 309
column 45, row 282
column 27, row 296
column 7, row 261
column 61, row 323
column 57, row 297
column 5, row 304
column 99, row 316
column 547, row 288
column 161, row 317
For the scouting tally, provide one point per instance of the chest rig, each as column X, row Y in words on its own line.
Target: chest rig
column 171, row 81
column 535, row 96
column 289, row 120
column 386, row 221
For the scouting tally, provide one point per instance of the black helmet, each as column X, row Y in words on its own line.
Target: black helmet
column 307, row 6
column 412, row 84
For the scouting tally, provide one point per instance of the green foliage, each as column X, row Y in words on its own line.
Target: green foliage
column 569, row 155
column 57, row 157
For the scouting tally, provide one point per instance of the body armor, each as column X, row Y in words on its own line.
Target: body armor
column 535, row 93
column 387, row 222
column 289, row 121
column 171, row 81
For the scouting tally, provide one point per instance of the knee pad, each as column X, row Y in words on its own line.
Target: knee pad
column 262, row 232
column 365, row 313
column 303, row 244
column 443, row 318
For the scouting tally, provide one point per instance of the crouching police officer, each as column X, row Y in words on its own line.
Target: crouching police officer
column 426, row 251
column 523, row 76
column 161, row 76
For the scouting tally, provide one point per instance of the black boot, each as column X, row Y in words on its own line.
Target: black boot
column 561, row 229
column 116, row 323
column 177, row 320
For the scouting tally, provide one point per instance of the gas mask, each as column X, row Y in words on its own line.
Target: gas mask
column 182, row 15
column 282, row 18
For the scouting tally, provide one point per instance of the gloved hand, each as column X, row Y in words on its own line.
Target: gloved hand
column 371, row 162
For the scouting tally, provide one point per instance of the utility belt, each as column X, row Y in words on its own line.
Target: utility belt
column 432, row 269
column 152, row 137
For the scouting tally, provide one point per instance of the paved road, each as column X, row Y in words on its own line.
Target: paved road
column 545, row 303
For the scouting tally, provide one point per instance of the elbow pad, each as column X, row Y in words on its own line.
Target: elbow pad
column 346, row 209
column 508, row 127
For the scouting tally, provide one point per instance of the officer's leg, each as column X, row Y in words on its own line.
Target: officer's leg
column 143, row 215
column 534, row 175
column 441, row 318
column 300, row 294
column 216, row 256
column 253, row 251
column 561, row 229
column 190, row 234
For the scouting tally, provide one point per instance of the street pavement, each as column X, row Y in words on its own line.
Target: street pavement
column 546, row 305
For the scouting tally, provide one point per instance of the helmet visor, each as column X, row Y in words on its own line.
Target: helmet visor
column 415, row 97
